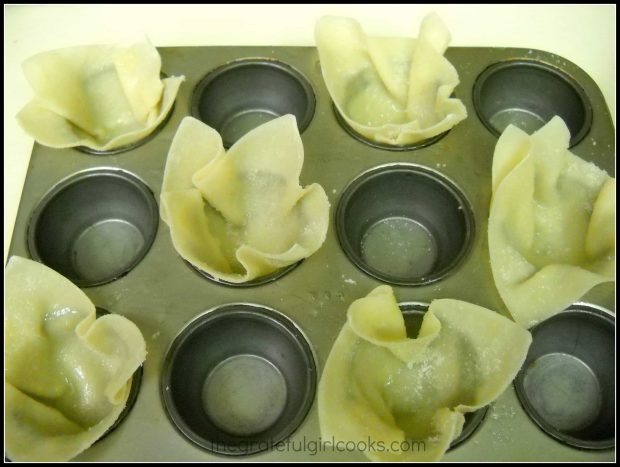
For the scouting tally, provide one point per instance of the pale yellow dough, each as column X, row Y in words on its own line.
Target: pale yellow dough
column 551, row 225
column 241, row 214
column 66, row 375
column 379, row 385
column 98, row 96
column 390, row 90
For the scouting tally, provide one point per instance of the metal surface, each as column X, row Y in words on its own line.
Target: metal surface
column 567, row 382
column 528, row 94
column 162, row 294
column 238, row 379
column 404, row 224
column 94, row 226
column 242, row 95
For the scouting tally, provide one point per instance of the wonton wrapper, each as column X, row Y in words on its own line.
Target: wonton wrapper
column 551, row 225
column 390, row 90
column 98, row 96
column 380, row 386
column 67, row 376
column 241, row 214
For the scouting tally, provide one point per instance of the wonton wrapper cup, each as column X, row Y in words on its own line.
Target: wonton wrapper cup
column 67, row 375
column 551, row 224
column 101, row 97
column 394, row 91
column 241, row 214
column 380, row 385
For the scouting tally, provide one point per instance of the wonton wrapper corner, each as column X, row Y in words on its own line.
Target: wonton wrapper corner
column 241, row 214
column 67, row 375
column 380, row 385
column 551, row 224
column 395, row 91
column 99, row 96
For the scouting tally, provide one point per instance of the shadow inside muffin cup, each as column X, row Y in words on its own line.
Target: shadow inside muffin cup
column 404, row 224
column 241, row 95
column 529, row 94
column 238, row 379
column 94, row 226
column 567, row 383
column 413, row 313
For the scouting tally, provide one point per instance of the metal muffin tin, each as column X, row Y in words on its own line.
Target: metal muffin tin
column 162, row 295
column 238, row 378
column 94, row 226
column 567, row 381
column 404, row 224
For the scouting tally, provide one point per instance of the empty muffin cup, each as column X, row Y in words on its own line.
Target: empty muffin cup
column 528, row 94
column 239, row 379
column 94, row 226
column 244, row 94
column 136, row 381
column 388, row 147
column 413, row 313
column 567, row 383
column 404, row 224
column 262, row 280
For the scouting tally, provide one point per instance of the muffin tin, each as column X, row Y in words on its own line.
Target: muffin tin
column 306, row 307
column 94, row 226
column 567, row 381
column 249, row 369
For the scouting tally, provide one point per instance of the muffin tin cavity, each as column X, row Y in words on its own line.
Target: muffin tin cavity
column 528, row 94
column 404, row 224
column 413, row 313
column 567, row 383
column 244, row 94
column 239, row 379
column 94, row 226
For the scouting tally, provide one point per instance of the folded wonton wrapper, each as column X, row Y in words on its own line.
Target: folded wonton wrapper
column 390, row 90
column 67, row 376
column 380, row 386
column 241, row 214
column 551, row 225
column 98, row 96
